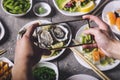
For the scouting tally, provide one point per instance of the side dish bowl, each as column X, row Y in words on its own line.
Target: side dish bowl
column 42, row 9
column 2, row 31
column 12, row 9
column 48, row 65
column 68, row 13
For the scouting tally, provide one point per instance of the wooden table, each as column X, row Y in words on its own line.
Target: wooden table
column 66, row 63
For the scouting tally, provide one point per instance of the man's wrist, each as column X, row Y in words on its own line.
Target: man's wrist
column 113, row 48
column 24, row 69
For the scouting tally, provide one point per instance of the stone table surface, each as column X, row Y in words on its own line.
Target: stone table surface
column 66, row 63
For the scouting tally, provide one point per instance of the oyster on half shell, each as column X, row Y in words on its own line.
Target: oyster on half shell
column 45, row 39
column 60, row 32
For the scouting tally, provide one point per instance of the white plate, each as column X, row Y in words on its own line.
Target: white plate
column 6, row 60
column 2, row 31
column 49, row 65
column 82, row 77
column 44, row 22
column 73, row 13
column 109, row 8
column 82, row 62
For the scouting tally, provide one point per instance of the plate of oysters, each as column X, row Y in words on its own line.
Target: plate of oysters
column 50, row 36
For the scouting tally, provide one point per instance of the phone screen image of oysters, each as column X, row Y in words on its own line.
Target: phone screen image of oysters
column 50, row 36
column 53, row 36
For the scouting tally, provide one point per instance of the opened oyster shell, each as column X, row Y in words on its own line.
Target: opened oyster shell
column 45, row 39
column 60, row 32
column 49, row 35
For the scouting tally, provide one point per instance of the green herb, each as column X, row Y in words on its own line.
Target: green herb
column 106, row 61
column 16, row 6
column 86, row 39
column 44, row 73
column 41, row 10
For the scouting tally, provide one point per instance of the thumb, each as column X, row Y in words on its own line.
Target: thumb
column 31, row 29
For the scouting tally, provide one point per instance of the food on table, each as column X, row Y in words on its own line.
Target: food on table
column 57, row 45
column 111, row 17
column 90, row 6
column 86, row 39
column 95, row 55
column 45, row 39
column 41, row 10
column 76, row 5
column 16, row 6
column 44, row 73
column 5, row 71
column 54, row 36
column 118, row 23
column 60, row 33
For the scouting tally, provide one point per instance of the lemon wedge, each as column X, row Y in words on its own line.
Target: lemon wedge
column 90, row 6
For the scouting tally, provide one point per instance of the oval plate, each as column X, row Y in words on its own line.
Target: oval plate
column 6, row 60
column 82, row 62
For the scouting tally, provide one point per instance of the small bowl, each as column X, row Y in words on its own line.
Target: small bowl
column 4, row 59
column 43, row 6
column 17, row 15
column 2, row 31
column 49, row 65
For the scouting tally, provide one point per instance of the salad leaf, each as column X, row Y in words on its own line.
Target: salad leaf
column 62, row 3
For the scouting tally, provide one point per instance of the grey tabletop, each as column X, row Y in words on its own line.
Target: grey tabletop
column 66, row 63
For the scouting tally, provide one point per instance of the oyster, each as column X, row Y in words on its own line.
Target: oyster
column 60, row 32
column 45, row 39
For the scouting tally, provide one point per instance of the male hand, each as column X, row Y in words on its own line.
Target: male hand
column 102, row 34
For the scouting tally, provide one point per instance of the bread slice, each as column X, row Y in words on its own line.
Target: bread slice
column 111, row 17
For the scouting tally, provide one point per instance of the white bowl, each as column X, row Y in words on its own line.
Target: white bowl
column 16, row 14
column 44, row 5
column 6, row 60
column 49, row 65
column 67, row 13
column 81, row 77
column 2, row 31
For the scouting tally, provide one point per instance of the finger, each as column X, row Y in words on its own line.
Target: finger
column 31, row 29
column 90, row 46
column 92, row 31
column 97, row 20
